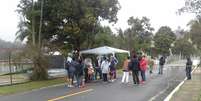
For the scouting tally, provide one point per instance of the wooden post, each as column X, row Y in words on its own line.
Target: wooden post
column 9, row 60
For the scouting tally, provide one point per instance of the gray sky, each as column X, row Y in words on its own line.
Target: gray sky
column 161, row 12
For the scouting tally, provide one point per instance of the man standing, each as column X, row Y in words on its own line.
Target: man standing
column 105, row 68
column 188, row 68
column 161, row 65
column 134, row 66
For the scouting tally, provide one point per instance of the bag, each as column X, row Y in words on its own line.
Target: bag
column 90, row 71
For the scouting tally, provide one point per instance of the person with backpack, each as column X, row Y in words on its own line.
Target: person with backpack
column 125, row 76
column 67, row 66
column 72, row 69
column 161, row 65
column 113, row 62
column 188, row 68
column 134, row 66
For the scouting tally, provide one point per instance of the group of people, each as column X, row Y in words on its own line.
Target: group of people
column 139, row 64
column 85, row 70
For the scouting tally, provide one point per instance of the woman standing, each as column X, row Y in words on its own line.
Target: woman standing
column 143, row 68
column 125, row 71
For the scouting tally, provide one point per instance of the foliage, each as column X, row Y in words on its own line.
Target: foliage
column 191, row 6
column 183, row 47
column 39, row 61
column 68, row 21
column 163, row 39
column 65, row 25
column 195, row 32
column 138, row 36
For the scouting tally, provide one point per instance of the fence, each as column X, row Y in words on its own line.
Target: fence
column 12, row 71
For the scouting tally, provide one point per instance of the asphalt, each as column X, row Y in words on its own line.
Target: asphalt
column 115, row 91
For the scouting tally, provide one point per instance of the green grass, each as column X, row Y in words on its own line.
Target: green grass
column 199, row 98
column 5, row 90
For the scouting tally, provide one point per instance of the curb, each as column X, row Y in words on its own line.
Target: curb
column 178, row 87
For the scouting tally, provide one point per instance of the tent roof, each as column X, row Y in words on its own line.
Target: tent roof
column 104, row 50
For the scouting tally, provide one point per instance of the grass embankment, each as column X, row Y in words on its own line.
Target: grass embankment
column 5, row 90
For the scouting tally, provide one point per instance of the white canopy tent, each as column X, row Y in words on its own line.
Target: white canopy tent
column 104, row 50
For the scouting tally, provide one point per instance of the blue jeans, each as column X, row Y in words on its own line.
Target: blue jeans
column 79, row 80
column 143, row 75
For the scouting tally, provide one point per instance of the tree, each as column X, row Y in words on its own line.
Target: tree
column 195, row 32
column 163, row 39
column 191, row 6
column 139, row 35
column 70, row 20
column 183, row 47
column 63, row 23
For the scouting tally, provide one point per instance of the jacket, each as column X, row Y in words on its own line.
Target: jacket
column 135, row 66
column 105, row 67
column 143, row 64
column 125, row 65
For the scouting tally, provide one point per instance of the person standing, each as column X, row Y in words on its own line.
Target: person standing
column 105, row 68
column 134, row 66
column 67, row 66
column 161, row 65
column 97, row 68
column 113, row 63
column 79, row 73
column 72, row 69
column 151, row 65
column 188, row 68
column 125, row 76
column 143, row 68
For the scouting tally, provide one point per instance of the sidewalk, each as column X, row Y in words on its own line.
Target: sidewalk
column 191, row 89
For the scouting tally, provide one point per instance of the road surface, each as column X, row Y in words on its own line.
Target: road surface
column 156, row 88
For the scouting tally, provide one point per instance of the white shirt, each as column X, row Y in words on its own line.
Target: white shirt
column 105, row 66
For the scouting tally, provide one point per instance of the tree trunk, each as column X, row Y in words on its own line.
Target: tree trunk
column 40, row 27
column 33, row 25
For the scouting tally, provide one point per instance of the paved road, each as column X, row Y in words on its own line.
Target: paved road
column 100, row 91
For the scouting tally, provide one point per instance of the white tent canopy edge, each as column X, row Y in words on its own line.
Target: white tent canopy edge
column 104, row 50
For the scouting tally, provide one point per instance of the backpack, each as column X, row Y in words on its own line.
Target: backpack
column 130, row 65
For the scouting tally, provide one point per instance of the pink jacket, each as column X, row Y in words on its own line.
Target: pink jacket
column 143, row 64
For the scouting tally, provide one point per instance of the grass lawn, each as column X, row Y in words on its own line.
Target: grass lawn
column 5, row 90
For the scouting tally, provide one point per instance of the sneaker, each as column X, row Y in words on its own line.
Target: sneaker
column 70, row 86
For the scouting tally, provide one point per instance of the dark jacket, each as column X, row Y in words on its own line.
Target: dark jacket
column 162, row 61
column 73, row 66
column 189, row 65
column 135, row 65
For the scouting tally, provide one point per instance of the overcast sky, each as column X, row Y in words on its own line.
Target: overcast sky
column 160, row 12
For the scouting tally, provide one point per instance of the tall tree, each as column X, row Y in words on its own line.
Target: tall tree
column 184, row 47
column 163, row 39
column 62, row 23
column 195, row 32
column 191, row 6
column 139, row 35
